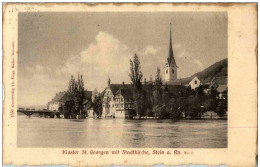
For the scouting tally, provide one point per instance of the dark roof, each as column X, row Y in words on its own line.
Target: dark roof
column 88, row 94
column 59, row 97
column 125, row 92
column 115, row 87
column 63, row 96
column 176, row 82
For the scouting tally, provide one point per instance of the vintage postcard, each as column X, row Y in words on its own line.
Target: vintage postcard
column 130, row 84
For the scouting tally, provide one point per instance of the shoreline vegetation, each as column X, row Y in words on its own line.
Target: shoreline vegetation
column 134, row 118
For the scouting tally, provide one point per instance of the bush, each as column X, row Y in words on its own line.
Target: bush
column 149, row 112
column 221, row 109
column 159, row 111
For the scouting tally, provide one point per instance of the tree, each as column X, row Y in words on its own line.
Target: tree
column 80, row 93
column 136, row 77
column 97, row 106
column 199, row 91
column 75, row 95
column 193, row 108
column 157, row 97
column 190, row 91
column 61, row 109
column 158, row 79
column 173, row 108
column 69, row 109
column 159, row 111
column 157, row 92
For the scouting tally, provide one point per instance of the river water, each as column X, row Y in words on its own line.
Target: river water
column 120, row 133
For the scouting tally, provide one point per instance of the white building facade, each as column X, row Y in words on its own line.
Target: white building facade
column 194, row 83
column 108, row 106
column 57, row 101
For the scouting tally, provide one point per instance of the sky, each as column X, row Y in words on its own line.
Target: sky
column 54, row 46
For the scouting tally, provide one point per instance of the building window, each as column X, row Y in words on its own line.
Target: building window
column 166, row 71
column 173, row 71
column 195, row 82
column 112, row 105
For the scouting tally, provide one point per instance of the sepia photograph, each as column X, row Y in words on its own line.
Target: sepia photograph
column 130, row 84
column 122, row 80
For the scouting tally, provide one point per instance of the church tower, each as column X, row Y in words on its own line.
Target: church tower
column 170, row 69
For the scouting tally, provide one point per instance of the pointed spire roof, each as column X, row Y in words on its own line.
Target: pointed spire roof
column 170, row 54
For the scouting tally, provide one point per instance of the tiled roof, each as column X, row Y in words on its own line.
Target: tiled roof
column 63, row 96
column 115, row 87
column 125, row 92
column 58, row 97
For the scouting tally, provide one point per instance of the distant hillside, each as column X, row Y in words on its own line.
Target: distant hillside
column 218, row 70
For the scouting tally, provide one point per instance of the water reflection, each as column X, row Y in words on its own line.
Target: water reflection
column 43, row 132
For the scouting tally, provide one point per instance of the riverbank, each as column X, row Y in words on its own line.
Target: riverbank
column 215, row 117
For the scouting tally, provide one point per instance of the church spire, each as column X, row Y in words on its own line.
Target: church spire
column 170, row 54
